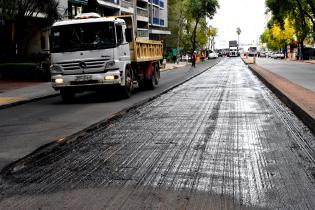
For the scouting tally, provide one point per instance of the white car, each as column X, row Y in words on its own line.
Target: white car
column 213, row 55
column 278, row 55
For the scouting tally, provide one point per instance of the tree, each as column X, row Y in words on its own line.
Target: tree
column 212, row 33
column 277, row 37
column 301, row 11
column 22, row 11
column 198, row 10
column 177, row 23
column 238, row 32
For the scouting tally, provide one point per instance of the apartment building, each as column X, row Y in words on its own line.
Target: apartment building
column 150, row 15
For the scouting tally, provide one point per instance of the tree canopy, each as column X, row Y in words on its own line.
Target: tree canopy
column 187, row 22
column 300, row 12
column 198, row 10
column 21, row 11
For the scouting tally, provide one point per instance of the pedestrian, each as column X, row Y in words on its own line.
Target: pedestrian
column 202, row 56
column 193, row 59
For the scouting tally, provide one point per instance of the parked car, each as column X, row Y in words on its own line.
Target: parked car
column 213, row 55
column 252, row 51
column 262, row 54
column 278, row 55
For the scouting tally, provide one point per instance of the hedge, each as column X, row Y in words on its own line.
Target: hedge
column 27, row 71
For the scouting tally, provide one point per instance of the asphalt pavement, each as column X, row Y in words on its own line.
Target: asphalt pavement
column 221, row 140
column 300, row 73
column 46, row 120
column 14, row 93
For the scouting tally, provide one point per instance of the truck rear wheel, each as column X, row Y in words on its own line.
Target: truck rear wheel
column 128, row 88
column 67, row 95
column 154, row 78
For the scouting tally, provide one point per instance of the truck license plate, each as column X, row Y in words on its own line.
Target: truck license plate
column 83, row 77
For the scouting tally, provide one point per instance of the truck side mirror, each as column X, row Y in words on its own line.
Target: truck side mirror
column 128, row 33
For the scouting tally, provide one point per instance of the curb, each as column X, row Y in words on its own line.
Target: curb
column 21, row 163
column 290, row 100
column 4, row 106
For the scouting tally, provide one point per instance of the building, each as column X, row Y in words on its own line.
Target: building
column 150, row 15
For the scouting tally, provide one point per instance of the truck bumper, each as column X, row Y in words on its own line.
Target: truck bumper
column 87, row 81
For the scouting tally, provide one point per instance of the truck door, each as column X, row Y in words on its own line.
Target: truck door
column 122, row 44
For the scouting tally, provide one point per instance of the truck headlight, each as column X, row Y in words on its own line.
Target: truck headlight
column 55, row 69
column 58, row 81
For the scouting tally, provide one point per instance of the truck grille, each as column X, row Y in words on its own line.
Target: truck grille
column 89, row 64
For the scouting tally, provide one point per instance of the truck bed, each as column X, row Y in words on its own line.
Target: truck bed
column 142, row 50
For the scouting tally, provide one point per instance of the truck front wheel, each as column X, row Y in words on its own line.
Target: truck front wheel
column 128, row 88
column 67, row 95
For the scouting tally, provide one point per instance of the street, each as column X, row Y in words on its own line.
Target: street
column 221, row 140
column 287, row 69
column 26, row 127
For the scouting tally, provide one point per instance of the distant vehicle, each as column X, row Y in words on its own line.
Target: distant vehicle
column 233, row 52
column 262, row 54
column 233, row 49
column 252, row 51
column 213, row 55
column 278, row 55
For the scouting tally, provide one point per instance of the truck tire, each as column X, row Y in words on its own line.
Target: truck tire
column 67, row 95
column 154, row 78
column 126, row 90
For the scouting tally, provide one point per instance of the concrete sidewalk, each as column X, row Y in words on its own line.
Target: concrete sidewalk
column 298, row 98
column 14, row 92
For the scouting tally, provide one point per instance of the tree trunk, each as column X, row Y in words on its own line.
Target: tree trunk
column 194, row 33
column 302, row 50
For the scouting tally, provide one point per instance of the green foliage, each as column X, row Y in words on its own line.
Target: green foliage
column 238, row 31
column 198, row 10
column 29, row 71
column 277, row 37
column 177, row 23
column 187, row 22
column 300, row 12
column 21, row 12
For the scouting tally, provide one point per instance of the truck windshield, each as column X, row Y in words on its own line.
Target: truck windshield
column 86, row 36
column 252, row 49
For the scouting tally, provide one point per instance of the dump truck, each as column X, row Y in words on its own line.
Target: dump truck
column 92, row 52
column 233, row 49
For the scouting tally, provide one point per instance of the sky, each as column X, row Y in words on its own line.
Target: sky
column 249, row 15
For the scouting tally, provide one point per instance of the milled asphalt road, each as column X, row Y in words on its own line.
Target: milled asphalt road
column 220, row 141
column 26, row 127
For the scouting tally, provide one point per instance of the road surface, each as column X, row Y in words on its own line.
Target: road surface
column 26, row 127
column 219, row 141
column 300, row 73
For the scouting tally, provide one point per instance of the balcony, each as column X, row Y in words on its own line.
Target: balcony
column 142, row 32
column 126, row 4
column 109, row 3
column 142, row 12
